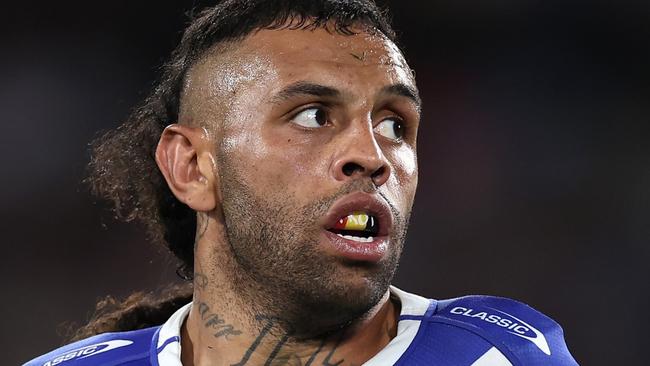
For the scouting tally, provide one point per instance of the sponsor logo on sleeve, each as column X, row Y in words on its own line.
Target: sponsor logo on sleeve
column 88, row 351
column 509, row 323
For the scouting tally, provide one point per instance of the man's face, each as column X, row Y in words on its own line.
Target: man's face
column 311, row 127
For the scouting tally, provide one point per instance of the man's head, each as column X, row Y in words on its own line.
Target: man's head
column 282, row 130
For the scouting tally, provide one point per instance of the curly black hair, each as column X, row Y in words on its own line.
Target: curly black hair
column 122, row 168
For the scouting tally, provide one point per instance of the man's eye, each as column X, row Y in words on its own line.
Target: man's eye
column 312, row 117
column 391, row 128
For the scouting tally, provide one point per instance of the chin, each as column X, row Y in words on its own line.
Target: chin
column 337, row 301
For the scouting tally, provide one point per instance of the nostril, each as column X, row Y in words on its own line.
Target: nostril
column 378, row 173
column 350, row 168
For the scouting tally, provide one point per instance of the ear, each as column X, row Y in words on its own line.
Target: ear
column 184, row 156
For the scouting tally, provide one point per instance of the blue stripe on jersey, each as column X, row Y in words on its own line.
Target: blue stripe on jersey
column 412, row 317
column 167, row 342
column 433, row 306
column 153, row 355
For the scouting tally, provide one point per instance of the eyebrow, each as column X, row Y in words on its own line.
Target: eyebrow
column 404, row 91
column 305, row 88
column 302, row 88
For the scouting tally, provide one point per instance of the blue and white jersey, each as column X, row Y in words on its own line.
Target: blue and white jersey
column 466, row 331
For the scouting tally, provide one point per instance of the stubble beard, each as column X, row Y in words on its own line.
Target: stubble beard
column 283, row 275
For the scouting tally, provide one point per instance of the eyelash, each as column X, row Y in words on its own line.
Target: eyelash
column 324, row 108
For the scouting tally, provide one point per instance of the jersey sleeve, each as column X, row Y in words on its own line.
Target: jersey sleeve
column 519, row 333
column 124, row 348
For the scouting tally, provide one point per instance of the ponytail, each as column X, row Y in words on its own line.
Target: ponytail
column 138, row 311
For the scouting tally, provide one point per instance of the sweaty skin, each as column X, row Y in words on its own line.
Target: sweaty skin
column 268, row 288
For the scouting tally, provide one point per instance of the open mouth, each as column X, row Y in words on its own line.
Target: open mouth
column 357, row 226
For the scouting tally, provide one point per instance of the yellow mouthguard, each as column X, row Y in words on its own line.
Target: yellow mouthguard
column 357, row 221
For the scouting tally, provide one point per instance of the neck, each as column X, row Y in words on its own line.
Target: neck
column 223, row 328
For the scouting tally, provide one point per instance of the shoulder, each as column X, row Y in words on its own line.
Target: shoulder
column 123, row 348
column 518, row 332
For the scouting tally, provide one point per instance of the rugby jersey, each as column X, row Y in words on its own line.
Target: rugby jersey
column 465, row 331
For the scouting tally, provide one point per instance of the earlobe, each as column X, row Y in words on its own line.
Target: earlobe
column 183, row 156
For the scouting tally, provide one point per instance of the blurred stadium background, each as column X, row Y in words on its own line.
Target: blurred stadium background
column 534, row 159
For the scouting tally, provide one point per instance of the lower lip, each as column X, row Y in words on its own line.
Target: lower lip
column 357, row 251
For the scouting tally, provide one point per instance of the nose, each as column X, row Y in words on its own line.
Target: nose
column 360, row 156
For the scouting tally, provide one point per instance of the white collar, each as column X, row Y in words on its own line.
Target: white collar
column 169, row 346
column 412, row 305
column 169, row 338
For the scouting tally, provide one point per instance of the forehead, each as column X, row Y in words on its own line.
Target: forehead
column 278, row 56
column 290, row 49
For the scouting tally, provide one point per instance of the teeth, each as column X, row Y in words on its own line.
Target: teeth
column 358, row 221
column 360, row 239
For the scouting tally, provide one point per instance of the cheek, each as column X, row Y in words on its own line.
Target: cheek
column 241, row 155
column 403, row 182
column 275, row 165
column 243, row 143
column 298, row 167
column 298, row 160
column 245, row 151
column 405, row 162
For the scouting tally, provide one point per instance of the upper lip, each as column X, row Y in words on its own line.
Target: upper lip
column 360, row 202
